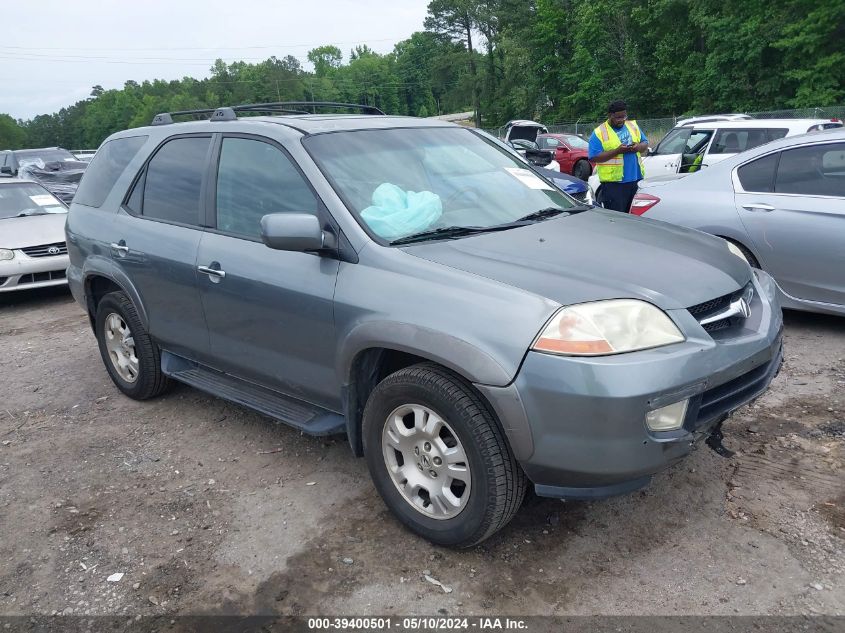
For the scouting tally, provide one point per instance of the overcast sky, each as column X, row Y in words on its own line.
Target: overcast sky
column 53, row 51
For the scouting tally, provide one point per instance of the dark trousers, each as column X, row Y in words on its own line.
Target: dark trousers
column 618, row 195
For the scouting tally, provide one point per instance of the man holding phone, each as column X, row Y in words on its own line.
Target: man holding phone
column 615, row 146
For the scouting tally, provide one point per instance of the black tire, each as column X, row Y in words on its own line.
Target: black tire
column 150, row 380
column 582, row 169
column 498, row 482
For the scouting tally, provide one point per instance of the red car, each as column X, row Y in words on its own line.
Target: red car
column 570, row 152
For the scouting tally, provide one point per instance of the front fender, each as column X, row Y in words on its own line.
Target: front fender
column 461, row 357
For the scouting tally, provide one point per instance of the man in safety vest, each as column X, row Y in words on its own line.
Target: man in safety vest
column 615, row 147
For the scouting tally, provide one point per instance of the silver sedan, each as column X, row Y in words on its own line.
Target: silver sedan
column 33, row 253
column 782, row 205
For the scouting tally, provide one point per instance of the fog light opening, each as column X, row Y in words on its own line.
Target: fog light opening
column 668, row 418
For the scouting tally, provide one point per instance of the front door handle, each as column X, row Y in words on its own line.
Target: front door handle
column 212, row 271
column 758, row 206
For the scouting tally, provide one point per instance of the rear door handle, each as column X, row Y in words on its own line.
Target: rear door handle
column 213, row 272
column 120, row 248
column 758, row 206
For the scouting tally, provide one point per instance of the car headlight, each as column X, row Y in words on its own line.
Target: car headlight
column 607, row 327
column 6, row 254
column 736, row 250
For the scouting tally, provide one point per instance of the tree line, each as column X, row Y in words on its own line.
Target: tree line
column 550, row 60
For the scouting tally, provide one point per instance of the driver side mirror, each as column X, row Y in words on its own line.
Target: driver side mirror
column 298, row 232
column 650, row 150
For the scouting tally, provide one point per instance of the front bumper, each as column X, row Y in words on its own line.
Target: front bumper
column 586, row 416
column 24, row 272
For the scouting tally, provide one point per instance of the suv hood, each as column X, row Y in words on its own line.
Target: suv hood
column 33, row 230
column 597, row 255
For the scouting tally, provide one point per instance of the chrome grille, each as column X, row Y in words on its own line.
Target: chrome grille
column 707, row 313
column 46, row 250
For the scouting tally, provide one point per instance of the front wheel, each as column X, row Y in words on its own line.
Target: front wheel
column 438, row 458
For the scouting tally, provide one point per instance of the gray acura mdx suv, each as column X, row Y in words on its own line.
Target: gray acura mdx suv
column 411, row 284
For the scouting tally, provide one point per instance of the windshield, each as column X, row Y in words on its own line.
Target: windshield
column 47, row 155
column 403, row 182
column 27, row 199
column 576, row 142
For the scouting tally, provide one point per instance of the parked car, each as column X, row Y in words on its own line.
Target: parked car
column 523, row 129
column 534, row 155
column 53, row 167
column 781, row 204
column 11, row 160
column 570, row 152
column 32, row 238
column 691, row 147
column 405, row 281
column 571, row 185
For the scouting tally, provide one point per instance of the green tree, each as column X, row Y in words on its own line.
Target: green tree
column 12, row 135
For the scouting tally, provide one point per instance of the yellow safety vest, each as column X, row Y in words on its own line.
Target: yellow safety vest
column 696, row 164
column 612, row 170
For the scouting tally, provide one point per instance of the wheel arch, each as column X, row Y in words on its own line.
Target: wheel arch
column 370, row 365
column 102, row 276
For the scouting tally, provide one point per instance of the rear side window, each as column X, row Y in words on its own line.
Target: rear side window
column 759, row 176
column 546, row 143
column 777, row 132
column 818, row 170
column 105, row 169
column 173, row 182
column 254, row 179
column 733, row 140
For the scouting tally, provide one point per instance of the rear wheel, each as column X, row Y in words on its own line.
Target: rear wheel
column 131, row 357
column 438, row 457
column 582, row 169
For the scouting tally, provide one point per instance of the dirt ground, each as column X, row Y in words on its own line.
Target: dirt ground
column 205, row 507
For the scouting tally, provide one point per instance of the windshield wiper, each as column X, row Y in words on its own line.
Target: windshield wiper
column 29, row 212
column 450, row 231
column 548, row 212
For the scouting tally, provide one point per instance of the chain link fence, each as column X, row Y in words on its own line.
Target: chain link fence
column 656, row 129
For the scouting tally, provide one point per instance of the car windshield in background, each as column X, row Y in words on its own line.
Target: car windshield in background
column 47, row 155
column 408, row 181
column 576, row 142
column 27, row 199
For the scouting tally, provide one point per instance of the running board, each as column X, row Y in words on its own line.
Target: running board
column 308, row 418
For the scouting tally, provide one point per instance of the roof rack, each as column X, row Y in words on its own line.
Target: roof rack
column 278, row 107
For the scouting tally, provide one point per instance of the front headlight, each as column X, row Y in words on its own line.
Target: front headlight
column 607, row 327
column 6, row 254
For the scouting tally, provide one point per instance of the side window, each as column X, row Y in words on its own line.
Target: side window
column 734, row 140
column 697, row 141
column 173, row 182
column 818, row 170
column 547, row 142
column 758, row 176
column 104, row 170
column 255, row 178
column 674, row 142
column 776, row 133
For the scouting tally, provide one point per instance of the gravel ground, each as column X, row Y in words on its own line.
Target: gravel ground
column 205, row 507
